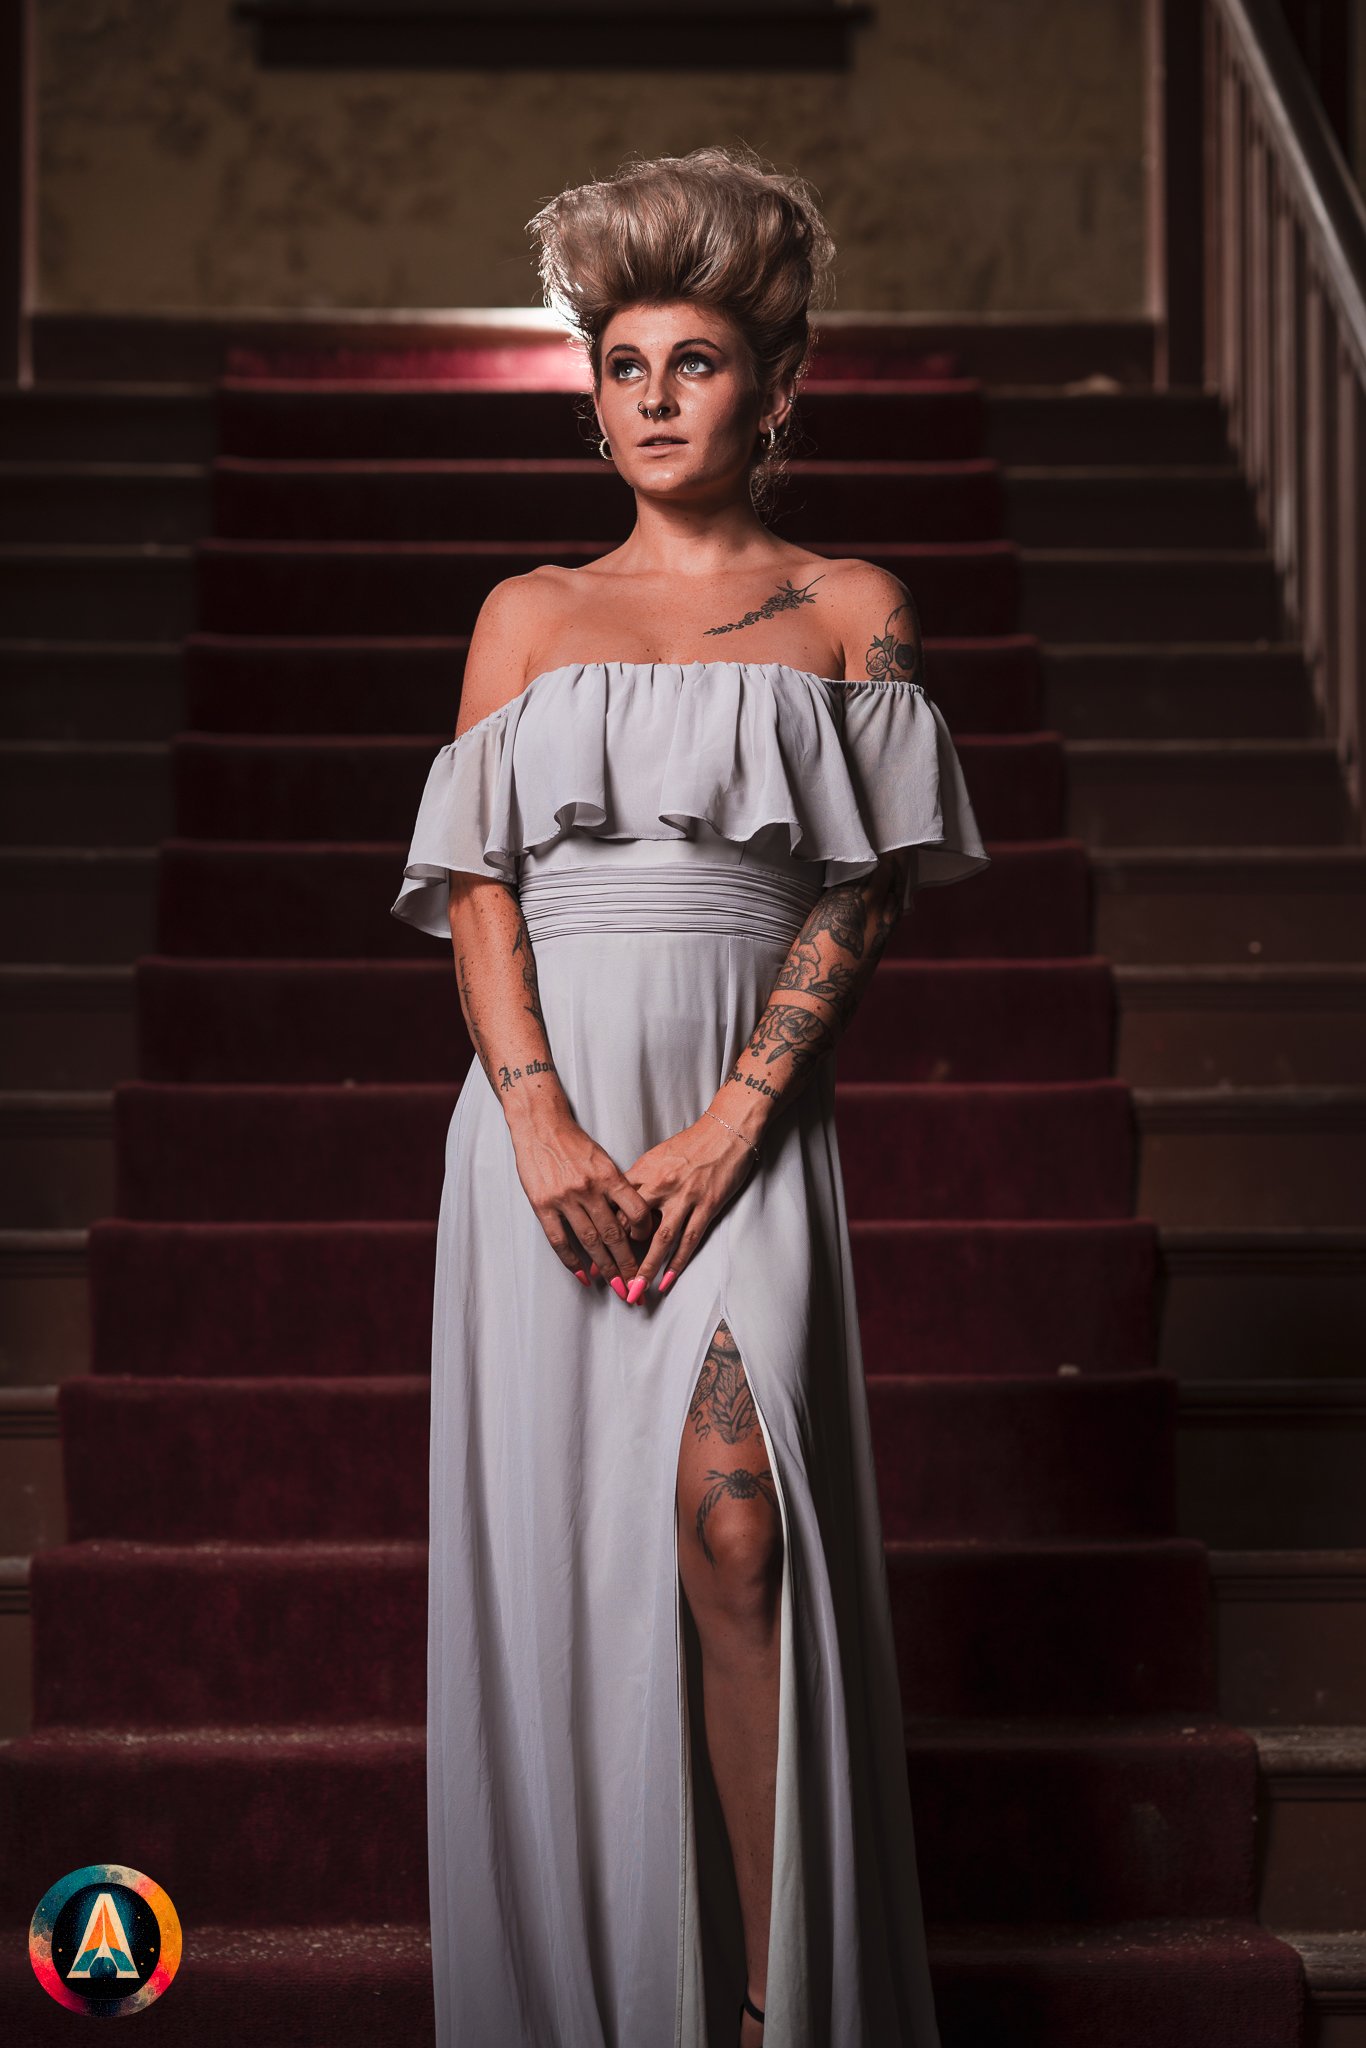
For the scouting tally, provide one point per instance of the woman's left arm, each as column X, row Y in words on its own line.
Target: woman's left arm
column 819, row 987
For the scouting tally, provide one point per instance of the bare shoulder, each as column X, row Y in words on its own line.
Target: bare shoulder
column 877, row 624
column 512, row 623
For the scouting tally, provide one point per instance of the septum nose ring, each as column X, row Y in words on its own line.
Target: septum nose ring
column 653, row 412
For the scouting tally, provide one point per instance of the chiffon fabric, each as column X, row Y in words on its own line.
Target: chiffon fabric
column 668, row 827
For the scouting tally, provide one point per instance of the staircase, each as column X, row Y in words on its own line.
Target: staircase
column 1103, row 1119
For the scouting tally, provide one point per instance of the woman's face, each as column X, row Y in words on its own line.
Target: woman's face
column 690, row 366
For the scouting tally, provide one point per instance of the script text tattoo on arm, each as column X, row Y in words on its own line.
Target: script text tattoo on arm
column 503, row 1075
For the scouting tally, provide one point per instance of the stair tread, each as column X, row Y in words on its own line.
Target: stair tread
column 964, row 1733
column 1312, row 1750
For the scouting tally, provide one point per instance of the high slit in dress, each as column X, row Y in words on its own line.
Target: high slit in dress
column 668, row 827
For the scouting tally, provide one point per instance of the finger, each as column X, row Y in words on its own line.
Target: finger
column 612, row 1232
column 657, row 1259
column 637, row 1211
column 563, row 1243
column 689, row 1238
column 587, row 1228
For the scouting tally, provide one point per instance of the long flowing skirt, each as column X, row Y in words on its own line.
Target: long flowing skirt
column 582, row 1893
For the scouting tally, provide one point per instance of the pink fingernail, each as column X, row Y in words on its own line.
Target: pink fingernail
column 578, row 1275
column 667, row 1282
column 593, row 1269
column 619, row 1285
column 635, row 1290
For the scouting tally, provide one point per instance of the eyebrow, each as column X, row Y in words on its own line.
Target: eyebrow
column 698, row 340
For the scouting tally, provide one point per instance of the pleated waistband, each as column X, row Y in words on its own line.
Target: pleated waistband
column 738, row 902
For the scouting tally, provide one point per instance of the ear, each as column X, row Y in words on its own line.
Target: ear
column 778, row 403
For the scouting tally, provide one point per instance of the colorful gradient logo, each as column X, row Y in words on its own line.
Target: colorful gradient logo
column 105, row 1940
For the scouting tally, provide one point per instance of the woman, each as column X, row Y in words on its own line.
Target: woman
column 667, row 1780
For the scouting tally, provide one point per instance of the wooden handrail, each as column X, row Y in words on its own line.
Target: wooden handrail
column 1268, row 216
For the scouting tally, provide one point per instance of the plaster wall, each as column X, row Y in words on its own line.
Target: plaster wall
column 980, row 155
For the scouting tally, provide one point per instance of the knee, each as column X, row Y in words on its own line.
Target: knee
column 740, row 1544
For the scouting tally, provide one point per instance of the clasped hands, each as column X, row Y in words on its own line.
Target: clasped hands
column 639, row 1226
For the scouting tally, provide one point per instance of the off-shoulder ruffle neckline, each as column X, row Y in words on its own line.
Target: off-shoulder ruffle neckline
column 806, row 675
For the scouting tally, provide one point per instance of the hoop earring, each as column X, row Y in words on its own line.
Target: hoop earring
column 767, row 436
column 604, row 449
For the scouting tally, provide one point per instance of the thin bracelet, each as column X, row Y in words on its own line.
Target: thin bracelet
column 734, row 1133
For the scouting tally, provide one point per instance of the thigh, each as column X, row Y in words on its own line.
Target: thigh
column 728, row 1518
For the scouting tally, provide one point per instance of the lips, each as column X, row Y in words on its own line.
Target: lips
column 664, row 441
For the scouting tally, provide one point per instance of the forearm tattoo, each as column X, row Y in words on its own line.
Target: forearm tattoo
column 504, row 1075
column 829, row 964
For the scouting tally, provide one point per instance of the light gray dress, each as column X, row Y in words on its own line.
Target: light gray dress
column 668, row 826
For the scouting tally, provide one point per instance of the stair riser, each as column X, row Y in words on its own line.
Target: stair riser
column 1177, row 1994
column 1002, row 1461
column 124, row 597
column 1171, row 597
column 358, row 686
column 1180, row 2000
column 1312, row 1855
column 231, row 789
column 1243, row 1038
column 961, row 502
column 1096, row 1632
column 44, row 1316
column 43, row 424
column 933, row 424
column 1279, row 1482
column 1156, row 511
column 1291, row 1655
column 204, row 1301
column 1090, row 1630
column 1165, row 1836
column 1251, row 920
column 68, row 1035
column 86, row 911
column 918, row 1021
column 89, row 693
column 1230, row 1316
column 1150, row 804
column 88, row 507
column 244, row 587
column 1223, row 1176
column 291, row 1154
column 56, row 1167
column 81, row 800
column 1131, row 427
column 295, row 903
column 1174, row 693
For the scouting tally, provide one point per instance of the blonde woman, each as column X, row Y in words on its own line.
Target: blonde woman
column 693, row 785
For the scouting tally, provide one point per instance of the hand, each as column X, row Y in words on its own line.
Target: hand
column 688, row 1180
column 584, row 1203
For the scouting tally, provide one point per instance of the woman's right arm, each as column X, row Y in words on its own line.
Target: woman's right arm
column 579, row 1193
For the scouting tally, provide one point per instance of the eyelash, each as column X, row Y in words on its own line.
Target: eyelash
column 617, row 368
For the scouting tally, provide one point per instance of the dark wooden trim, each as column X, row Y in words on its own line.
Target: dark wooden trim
column 1174, row 31
column 18, row 178
column 598, row 35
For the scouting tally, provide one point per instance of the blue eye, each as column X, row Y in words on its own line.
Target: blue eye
column 620, row 367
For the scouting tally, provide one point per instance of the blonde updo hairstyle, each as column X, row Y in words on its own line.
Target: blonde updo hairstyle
column 719, row 226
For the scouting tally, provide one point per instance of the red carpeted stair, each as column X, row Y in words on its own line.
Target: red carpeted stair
column 229, row 1674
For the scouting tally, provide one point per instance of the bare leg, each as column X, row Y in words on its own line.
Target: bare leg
column 730, row 1557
